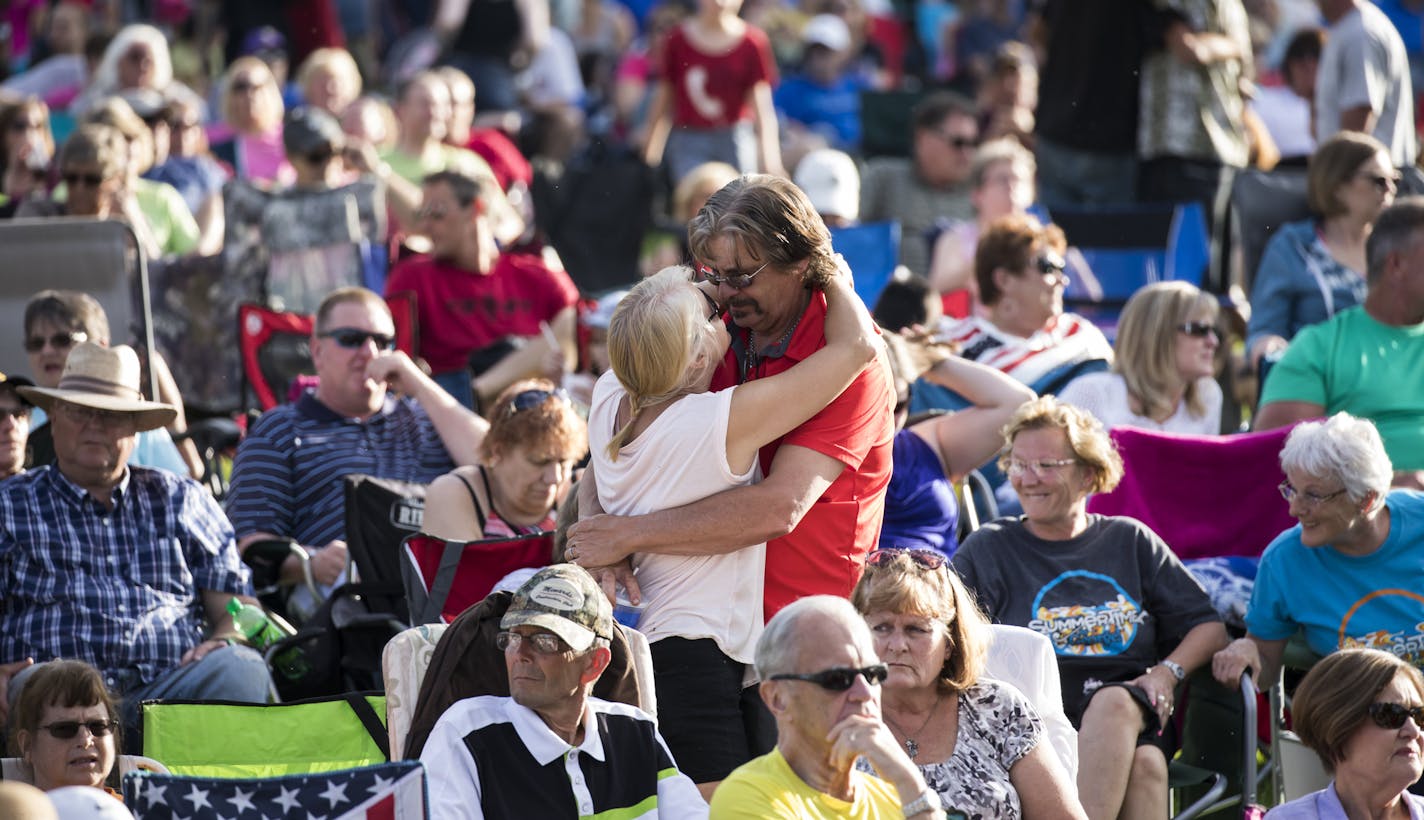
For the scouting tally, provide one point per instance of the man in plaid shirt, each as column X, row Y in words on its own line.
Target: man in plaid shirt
column 119, row 566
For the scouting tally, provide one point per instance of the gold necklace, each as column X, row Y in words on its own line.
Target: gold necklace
column 912, row 748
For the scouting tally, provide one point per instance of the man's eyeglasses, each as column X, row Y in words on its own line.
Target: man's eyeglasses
column 1383, row 183
column 544, row 643
column 1290, row 493
column 732, row 280
column 433, row 214
column 59, row 341
column 840, row 678
column 352, row 338
column 922, row 558
column 1200, row 330
column 1393, row 715
column 533, row 398
column 74, row 180
column 958, row 142
column 1043, row 467
column 85, row 416
column 66, row 729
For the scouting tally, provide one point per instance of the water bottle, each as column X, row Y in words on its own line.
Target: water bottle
column 253, row 624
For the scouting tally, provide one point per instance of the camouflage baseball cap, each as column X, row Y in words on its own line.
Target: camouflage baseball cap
column 565, row 600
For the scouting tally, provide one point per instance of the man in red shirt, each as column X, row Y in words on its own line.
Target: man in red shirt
column 471, row 297
column 820, row 506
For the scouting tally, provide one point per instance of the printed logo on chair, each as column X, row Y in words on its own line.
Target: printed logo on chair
column 390, row 791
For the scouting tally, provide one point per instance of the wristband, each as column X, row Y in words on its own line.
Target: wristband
column 927, row 801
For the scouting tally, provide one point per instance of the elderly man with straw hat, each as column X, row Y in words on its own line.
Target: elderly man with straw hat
column 125, row 567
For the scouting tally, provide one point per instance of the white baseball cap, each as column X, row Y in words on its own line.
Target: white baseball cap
column 831, row 181
column 827, row 30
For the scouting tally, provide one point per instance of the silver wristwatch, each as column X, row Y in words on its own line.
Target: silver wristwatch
column 1175, row 668
column 927, row 801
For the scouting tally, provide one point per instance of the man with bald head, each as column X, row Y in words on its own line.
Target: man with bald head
column 821, row 680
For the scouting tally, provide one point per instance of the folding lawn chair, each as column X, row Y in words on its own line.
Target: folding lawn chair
column 388, row 791
column 443, row 578
column 380, row 514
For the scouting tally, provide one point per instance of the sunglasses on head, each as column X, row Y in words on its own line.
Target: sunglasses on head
column 74, row 180
column 840, row 678
column 922, row 558
column 59, row 341
column 352, row 338
column 533, row 398
column 66, row 729
column 1200, row 329
column 1393, row 715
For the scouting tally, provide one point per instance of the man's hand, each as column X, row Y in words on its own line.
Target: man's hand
column 612, row 577
column 1238, row 656
column 1159, row 683
column 865, row 736
column 200, row 651
column 396, row 369
column 598, row 541
column 7, row 672
column 329, row 562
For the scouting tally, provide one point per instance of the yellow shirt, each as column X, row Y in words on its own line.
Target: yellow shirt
column 767, row 787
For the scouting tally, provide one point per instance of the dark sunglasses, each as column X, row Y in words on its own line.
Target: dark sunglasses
column 924, row 559
column 1393, row 715
column 712, row 305
column 533, row 398
column 320, row 157
column 18, row 413
column 840, row 678
column 1384, row 184
column 21, row 126
column 59, row 341
column 244, row 86
column 66, row 729
column 1200, row 329
column 352, row 338
column 958, row 142
column 1050, row 264
column 74, row 180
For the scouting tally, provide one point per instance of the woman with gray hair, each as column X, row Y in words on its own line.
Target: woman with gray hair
column 1348, row 574
column 136, row 59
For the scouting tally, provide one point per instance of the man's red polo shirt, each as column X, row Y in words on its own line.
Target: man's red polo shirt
column 826, row 551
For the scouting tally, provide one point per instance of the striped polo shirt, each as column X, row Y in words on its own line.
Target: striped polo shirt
column 287, row 479
column 490, row 757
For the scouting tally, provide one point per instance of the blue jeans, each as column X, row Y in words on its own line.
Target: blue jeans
column 232, row 673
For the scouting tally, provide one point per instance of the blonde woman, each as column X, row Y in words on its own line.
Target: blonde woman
column 659, row 440
column 250, row 140
column 330, row 80
column 1164, row 361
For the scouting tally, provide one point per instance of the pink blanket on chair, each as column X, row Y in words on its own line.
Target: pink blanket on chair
column 1204, row 495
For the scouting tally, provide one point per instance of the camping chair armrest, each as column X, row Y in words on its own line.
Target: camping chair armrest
column 266, row 556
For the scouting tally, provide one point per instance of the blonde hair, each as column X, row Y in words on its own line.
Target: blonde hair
column 268, row 102
column 338, row 61
column 1145, row 352
column 698, row 186
column 114, row 112
column 654, row 338
column 899, row 585
column 1086, row 437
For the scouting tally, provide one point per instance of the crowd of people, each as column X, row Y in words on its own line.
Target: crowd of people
column 737, row 445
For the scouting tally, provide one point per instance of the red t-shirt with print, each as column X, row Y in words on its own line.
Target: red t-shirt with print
column 710, row 90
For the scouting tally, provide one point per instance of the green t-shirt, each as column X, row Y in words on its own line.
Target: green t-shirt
column 415, row 168
column 1354, row 364
column 173, row 225
column 767, row 787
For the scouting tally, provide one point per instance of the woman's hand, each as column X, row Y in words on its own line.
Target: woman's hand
column 1159, row 683
column 1238, row 656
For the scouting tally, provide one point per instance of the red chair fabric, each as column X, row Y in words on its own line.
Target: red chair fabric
column 447, row 577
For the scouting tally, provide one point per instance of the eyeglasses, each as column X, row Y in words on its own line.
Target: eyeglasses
column 59, row 341
column 1042, row 467
column 17, row 413
column 84, row 416
column 732, row 280
column 1382, row 183
column 139, row 55
column 244, row 86
column 533, row 398
column 840, row 678
column 544, row 643
column 74, row 180
column 320, row 156
column 21, row 126
column 711, row 303
column 1050, row 265
column 1289, row 493
column 958, row 142
column 1200, row 330
column 351, row 338
column 1393, row 715
column 435, row 214
column 922, row 558
column 66, row 729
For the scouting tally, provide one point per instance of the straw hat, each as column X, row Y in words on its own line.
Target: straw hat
column 104, row 378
